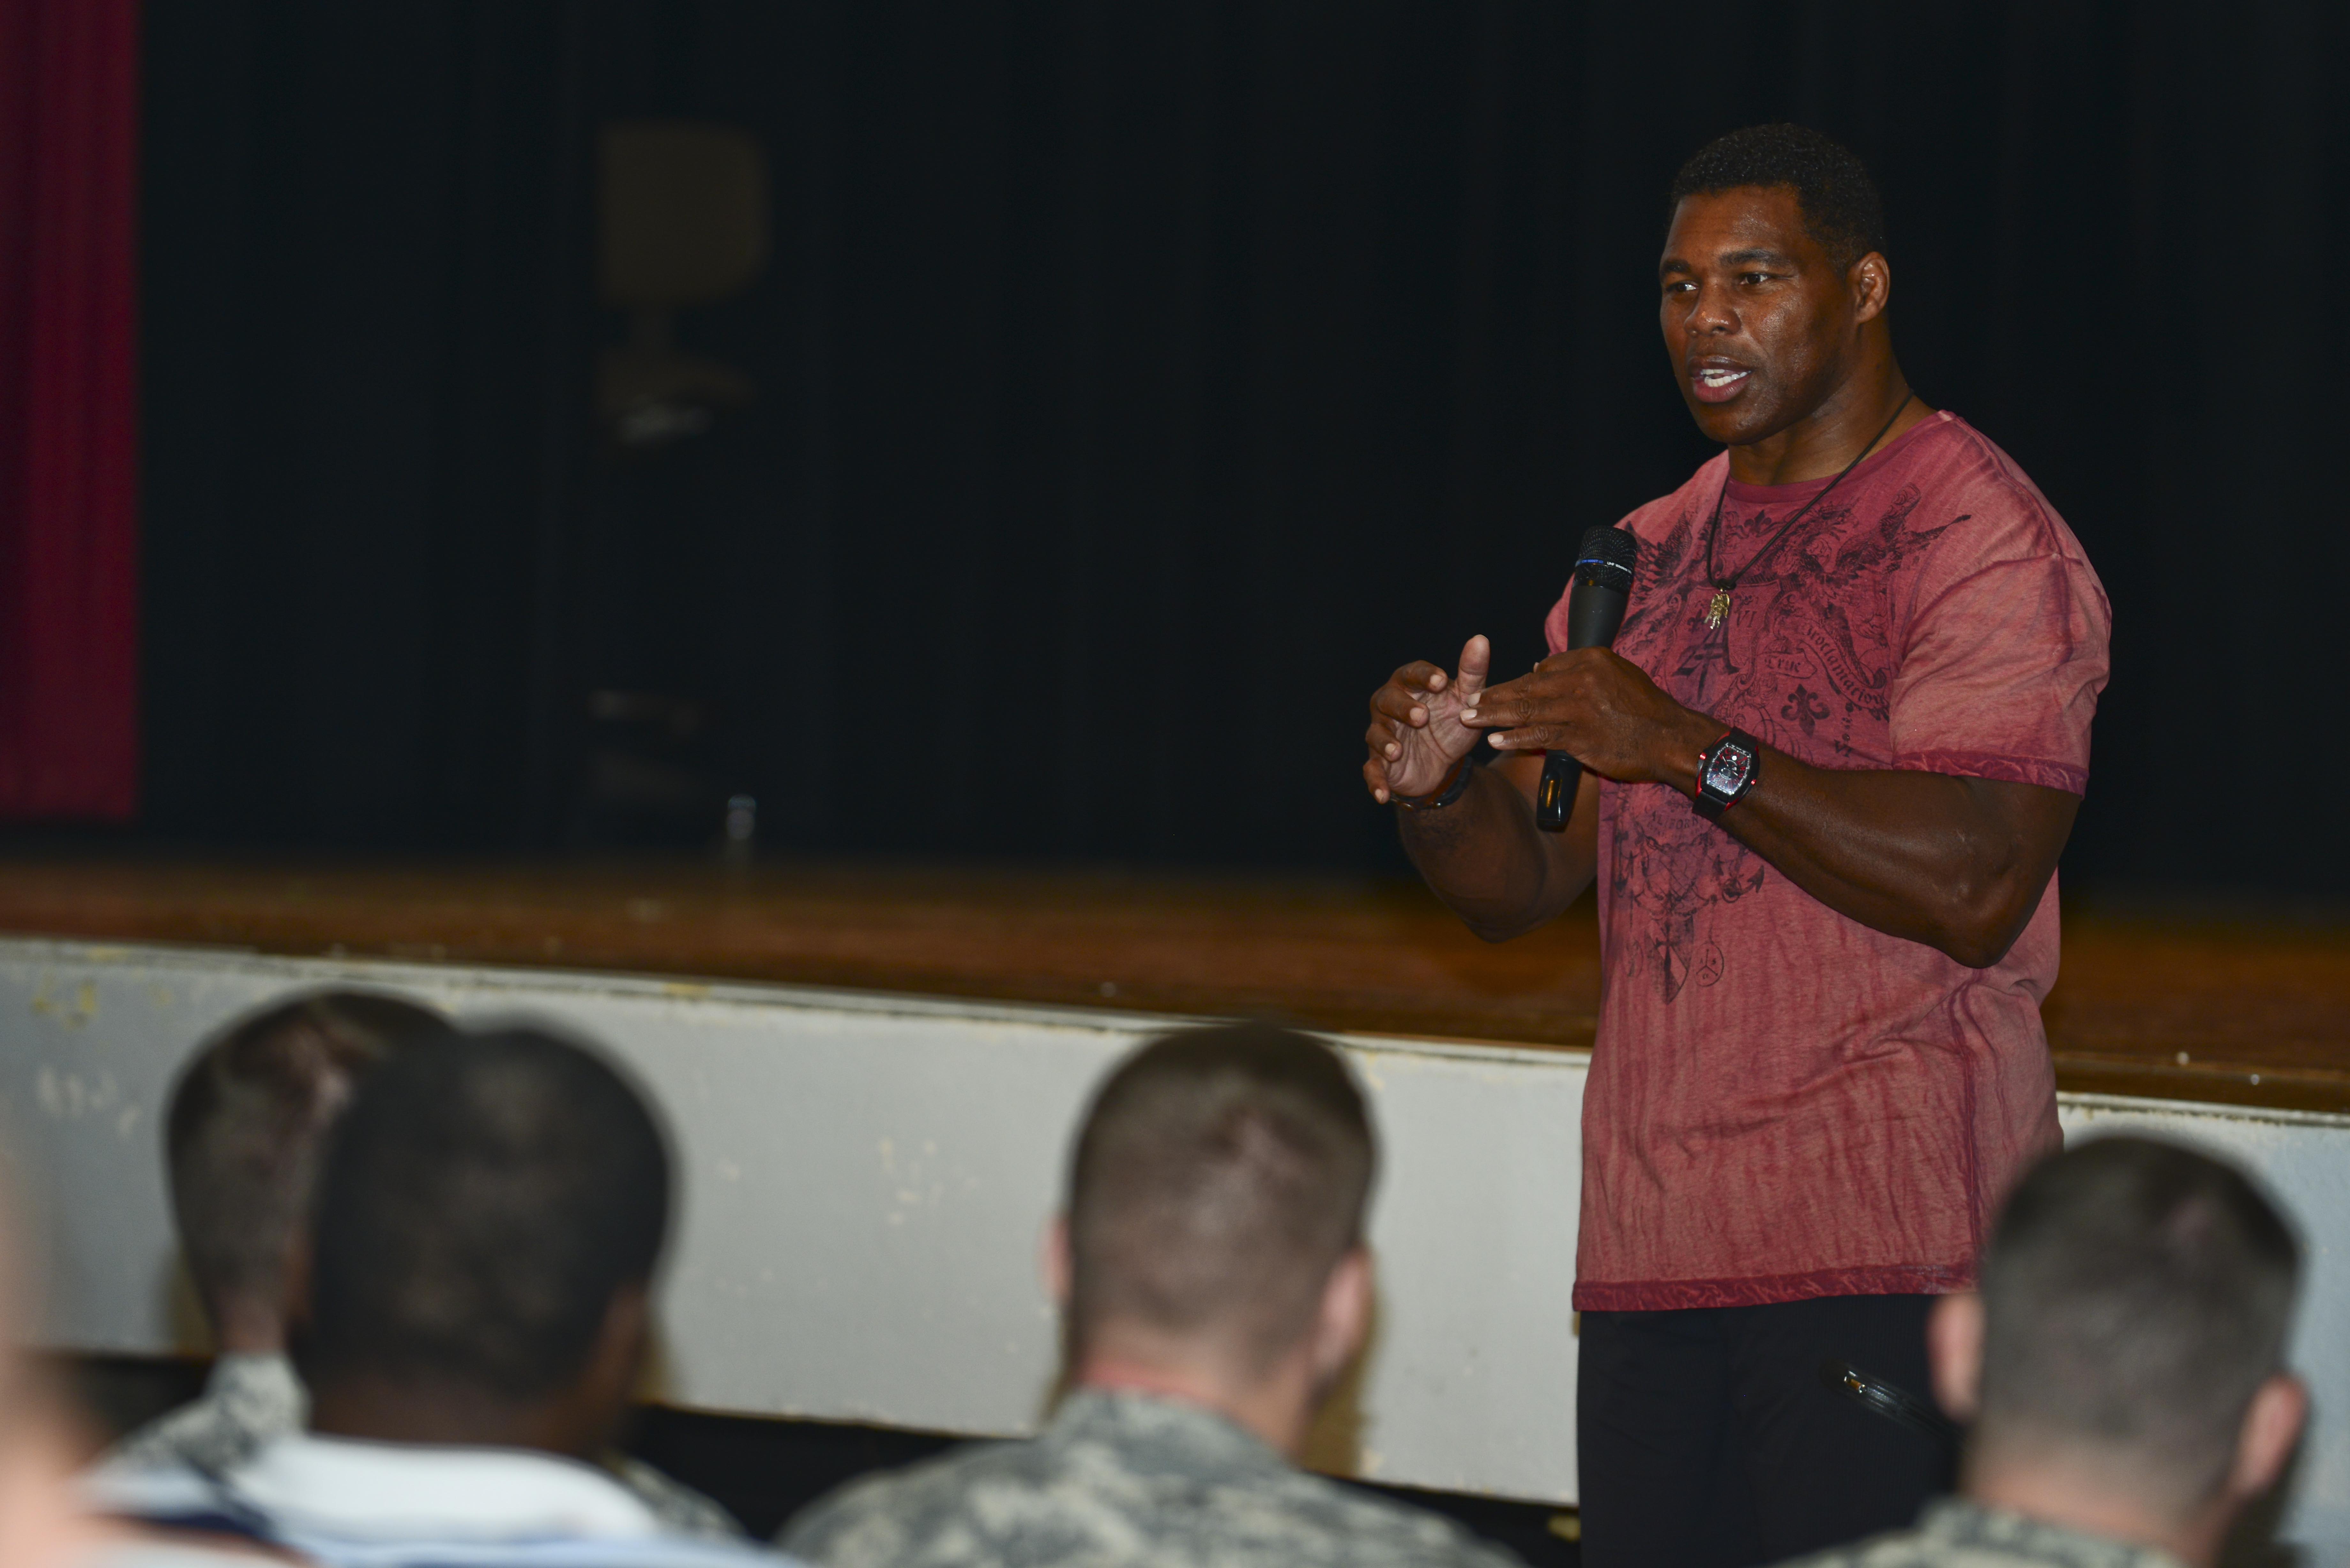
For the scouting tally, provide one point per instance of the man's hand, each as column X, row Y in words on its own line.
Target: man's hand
column 1482, row 854
column 1416, row 733
column 1957, row 864
column 1603, row 710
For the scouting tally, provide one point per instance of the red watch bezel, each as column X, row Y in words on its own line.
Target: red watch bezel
column 1712, row 806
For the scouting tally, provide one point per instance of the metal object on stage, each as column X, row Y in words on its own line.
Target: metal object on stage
column 742, row 828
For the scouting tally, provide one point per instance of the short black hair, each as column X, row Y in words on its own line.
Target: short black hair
column 1841, row 207
column 484, row 1200
column 1220, row 1176
column 247, row 1116
column 2136, row 1296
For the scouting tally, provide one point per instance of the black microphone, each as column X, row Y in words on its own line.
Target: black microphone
column 1594, row 608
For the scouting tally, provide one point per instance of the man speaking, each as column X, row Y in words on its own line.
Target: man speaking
column 1829, row 764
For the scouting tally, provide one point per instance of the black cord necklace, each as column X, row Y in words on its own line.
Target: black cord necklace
column 1719, row 605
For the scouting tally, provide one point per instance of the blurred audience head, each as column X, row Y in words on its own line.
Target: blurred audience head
column 2124, row 1355
column 1213, row 1238
column 248, row 1115
column 489, row 1217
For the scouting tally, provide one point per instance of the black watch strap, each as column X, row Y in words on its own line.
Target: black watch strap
column 1463, row 772
column 1725, row 771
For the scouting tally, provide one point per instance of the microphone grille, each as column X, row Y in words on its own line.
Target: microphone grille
column 1608, row 558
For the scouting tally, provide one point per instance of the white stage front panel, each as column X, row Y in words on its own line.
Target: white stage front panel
column 867, row 1180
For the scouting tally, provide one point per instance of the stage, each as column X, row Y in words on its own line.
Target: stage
column 2175, row 1005
column 870, row 1074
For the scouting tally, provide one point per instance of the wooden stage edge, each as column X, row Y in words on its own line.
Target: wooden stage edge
column 2248, row 1009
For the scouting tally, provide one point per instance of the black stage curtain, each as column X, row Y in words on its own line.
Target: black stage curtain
column 1139, row 382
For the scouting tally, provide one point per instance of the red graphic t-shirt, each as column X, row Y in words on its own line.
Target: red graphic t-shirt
column 1783, row 1103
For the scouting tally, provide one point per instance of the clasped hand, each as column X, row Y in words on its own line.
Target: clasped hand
column 1590, row 702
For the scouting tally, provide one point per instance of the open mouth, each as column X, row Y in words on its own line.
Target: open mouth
column 1719, row 384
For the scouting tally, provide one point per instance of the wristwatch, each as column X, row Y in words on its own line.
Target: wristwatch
column 1725, row 771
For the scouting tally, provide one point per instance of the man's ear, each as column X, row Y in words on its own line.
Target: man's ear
column 300, row 1271
column 1054, row 1261
column 591, row 1417
column 626, row 1334
column 1954, row 1347
column 1872, row 286
column 1344, row 1320
column 2265, row 1442
column 622, row 1342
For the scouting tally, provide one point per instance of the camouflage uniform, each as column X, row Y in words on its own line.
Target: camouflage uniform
column 250, row 1399
column 1954, row 1533
column 1130, row 1479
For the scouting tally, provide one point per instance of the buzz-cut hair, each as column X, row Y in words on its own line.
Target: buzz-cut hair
column 484, row 1200
column 2136, row 1296
column 1219, row 1177
column 1839, row 202
column 247, row 1116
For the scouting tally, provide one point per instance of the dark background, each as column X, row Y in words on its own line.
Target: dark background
column 1140, row 381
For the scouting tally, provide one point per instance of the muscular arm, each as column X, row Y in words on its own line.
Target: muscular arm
column 1486, row 859
column 1957, row 864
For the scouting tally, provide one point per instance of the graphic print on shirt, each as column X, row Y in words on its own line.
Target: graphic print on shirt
column 1804, row 661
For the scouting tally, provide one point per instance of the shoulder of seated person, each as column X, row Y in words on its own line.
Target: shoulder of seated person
column 1907, row 1549
column 895, row 1497
column 1390, row 1532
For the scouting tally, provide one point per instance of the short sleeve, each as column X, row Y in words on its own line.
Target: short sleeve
column 2005, row 655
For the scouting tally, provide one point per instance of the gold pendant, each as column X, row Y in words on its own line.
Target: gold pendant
column 1719, row 608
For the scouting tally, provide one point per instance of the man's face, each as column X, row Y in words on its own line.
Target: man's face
column 1759, row 322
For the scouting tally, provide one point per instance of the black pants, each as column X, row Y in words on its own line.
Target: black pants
column 1706, row 1439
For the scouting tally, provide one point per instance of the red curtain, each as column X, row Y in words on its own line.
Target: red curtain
column 69, row 410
